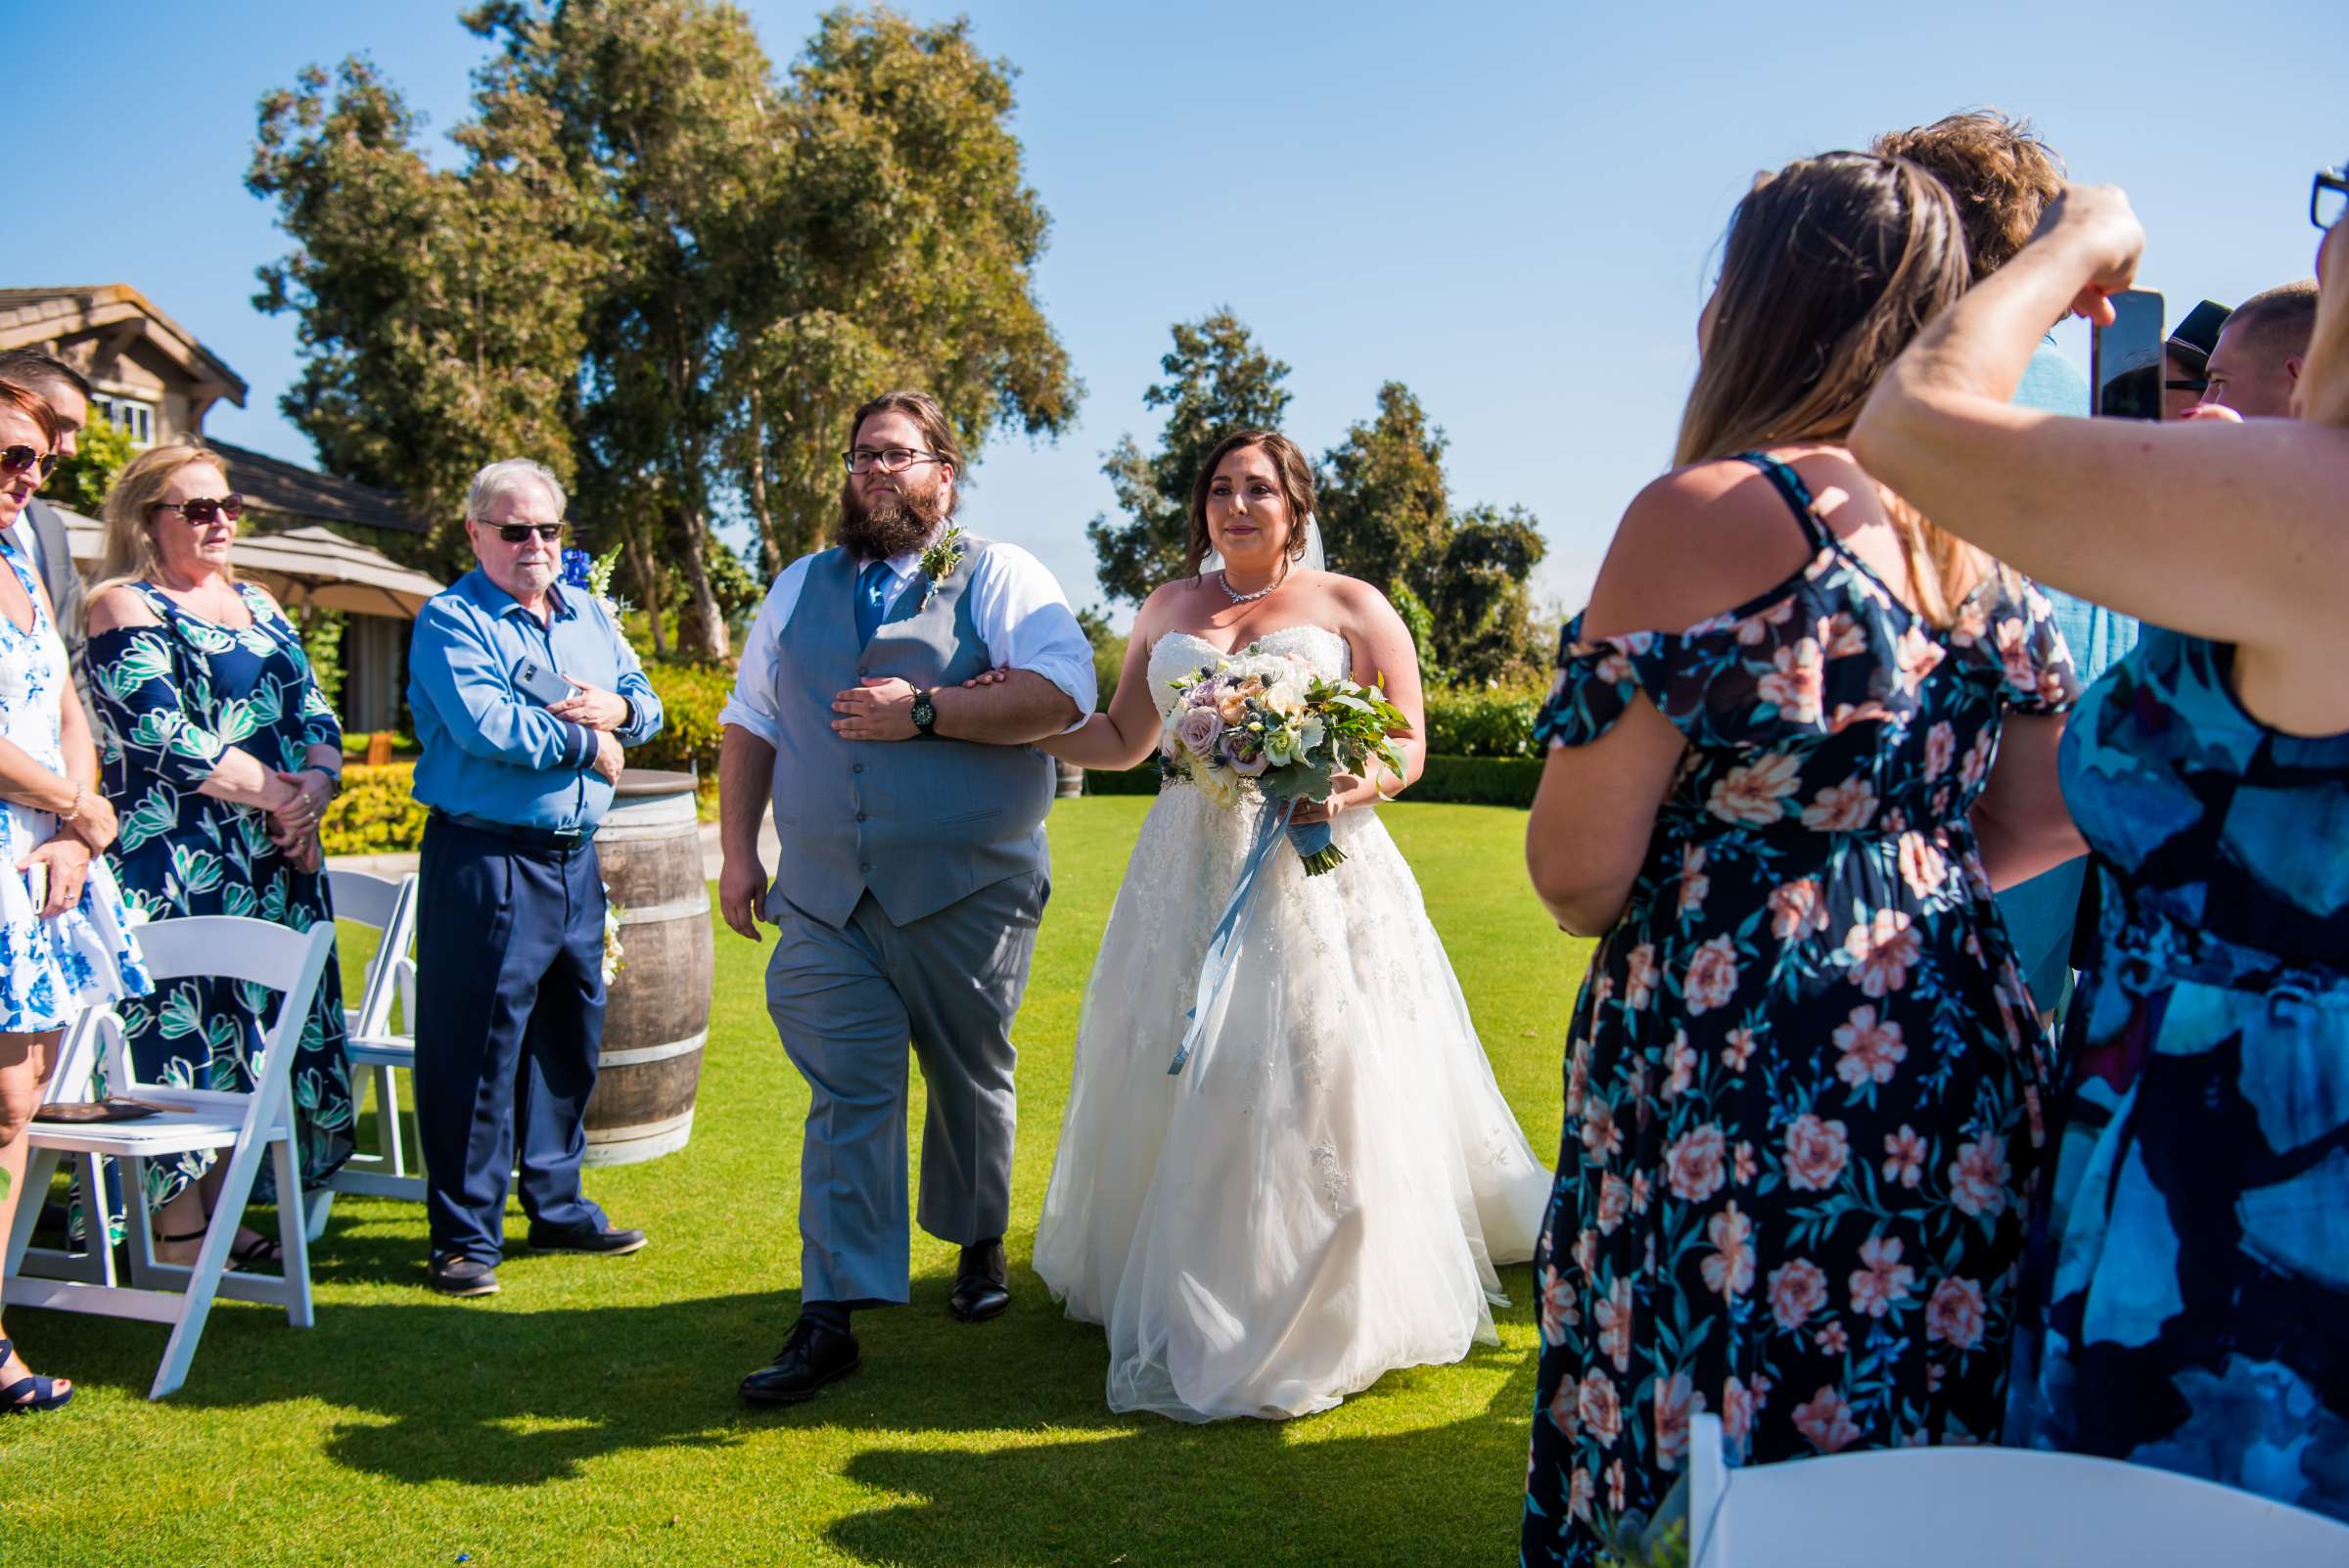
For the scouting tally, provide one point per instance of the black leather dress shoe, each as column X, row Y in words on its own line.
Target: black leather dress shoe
column 815, row 1353
column 980, row 1284
column 459, row 1275
column 608, row 1242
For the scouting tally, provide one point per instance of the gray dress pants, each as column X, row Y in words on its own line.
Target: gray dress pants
column 846, row 1001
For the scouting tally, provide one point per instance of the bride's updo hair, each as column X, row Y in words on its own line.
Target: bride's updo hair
column 1296, row 489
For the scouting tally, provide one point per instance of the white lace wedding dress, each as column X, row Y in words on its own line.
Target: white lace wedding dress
column 1322, row 1196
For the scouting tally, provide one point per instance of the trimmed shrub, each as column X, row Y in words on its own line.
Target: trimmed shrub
column 377, row 812
column 1462, row 780
column 691, row 698
column 1478, row 780
column 1492, row 722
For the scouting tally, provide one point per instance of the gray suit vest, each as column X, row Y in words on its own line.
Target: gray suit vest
column 921, row 823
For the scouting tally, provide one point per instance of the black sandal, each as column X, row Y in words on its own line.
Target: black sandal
column 260, row 1248
column 30, row 1394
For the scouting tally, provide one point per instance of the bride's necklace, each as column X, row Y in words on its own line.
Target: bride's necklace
column 1224, row 581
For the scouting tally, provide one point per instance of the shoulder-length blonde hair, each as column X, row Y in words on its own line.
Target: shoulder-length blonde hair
column 130, row 555
column 1834, row 265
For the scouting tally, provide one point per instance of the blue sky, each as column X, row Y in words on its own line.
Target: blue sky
column 1511, row 208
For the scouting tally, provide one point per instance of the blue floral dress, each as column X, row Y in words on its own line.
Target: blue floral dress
column 50, row 969
column 2187, row 1300
column 173, row 697
column 1804, row 1075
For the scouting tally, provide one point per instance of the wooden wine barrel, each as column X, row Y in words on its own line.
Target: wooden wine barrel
column 657, row 1018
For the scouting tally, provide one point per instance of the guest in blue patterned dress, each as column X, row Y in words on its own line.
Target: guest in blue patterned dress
column 2187, row 1296
column 1803, row 1078
column 64, row 940
column 220, row 753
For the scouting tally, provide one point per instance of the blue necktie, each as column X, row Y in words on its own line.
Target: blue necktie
column 871, row 583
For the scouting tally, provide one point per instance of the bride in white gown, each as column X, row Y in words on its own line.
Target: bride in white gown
column 1322, row 1196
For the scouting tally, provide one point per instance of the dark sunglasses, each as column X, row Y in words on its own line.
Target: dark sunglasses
column 2195, row 385
column 17, row 459
column 2328, row 197
column 201, row 510
column 516, row 533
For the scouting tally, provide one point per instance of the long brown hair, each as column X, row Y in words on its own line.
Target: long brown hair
column 130, row 555
column 1296, row 489
column 1834, row 265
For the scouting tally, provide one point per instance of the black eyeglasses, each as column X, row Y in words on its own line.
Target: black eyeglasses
column 17, row 459
column 516, row 533
column 889, row 460
column 2329, row 198
column 2197, row 385
column 203, row 509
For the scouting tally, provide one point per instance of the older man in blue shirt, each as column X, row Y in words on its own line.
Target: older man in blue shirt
column 510, row 917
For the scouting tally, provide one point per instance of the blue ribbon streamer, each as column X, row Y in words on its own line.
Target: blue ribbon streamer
column 1224, row 947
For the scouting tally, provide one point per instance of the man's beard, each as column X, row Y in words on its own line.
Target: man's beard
column 890, row 523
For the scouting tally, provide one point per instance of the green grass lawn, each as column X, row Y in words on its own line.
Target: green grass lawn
column 587, row 1416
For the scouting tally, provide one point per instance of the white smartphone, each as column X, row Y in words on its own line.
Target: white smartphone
column 540, row 682
column 36, row 879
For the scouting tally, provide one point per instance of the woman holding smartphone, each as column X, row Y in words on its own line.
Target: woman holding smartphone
column 65, row 938
column 222, row 756
column 2188, row 1299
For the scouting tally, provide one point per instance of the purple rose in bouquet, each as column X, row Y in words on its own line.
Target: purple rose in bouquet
column 1199, row 729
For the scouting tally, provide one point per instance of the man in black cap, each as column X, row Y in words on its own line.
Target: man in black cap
column 2185, row 357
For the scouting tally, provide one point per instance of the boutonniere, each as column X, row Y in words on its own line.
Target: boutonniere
column 593, row 573
column 939, row 562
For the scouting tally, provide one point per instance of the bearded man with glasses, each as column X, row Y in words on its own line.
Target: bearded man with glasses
column 912, row 873
column 523, row 693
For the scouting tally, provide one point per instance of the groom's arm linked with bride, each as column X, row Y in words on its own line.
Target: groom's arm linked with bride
column 912, row 873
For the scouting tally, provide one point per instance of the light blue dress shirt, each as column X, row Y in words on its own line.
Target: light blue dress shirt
column 491, row 750
column 2039, row 914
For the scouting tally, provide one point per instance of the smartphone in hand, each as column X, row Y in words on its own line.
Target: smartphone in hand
column 2125, row 359
column 536, row 680
column 36, row 880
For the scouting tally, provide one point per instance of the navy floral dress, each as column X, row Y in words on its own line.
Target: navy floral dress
column 2187, row 1303
column 171, row 699
column 1804, row 1077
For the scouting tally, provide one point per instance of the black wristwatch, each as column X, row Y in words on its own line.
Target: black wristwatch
column 925, row 713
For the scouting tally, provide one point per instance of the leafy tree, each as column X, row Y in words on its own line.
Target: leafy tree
column 1109, row 653
column 1478, row 598
column 894, row 246
column 439, row 312
column 1457, row 580
column 663, row 271
column 1217, row 381
column 1384, row 509
column 81, row 482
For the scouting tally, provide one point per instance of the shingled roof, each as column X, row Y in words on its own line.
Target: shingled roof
column 284, row 491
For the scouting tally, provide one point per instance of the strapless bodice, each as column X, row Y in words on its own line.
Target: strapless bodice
column 1179, row 653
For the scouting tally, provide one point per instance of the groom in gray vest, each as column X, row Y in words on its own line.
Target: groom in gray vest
column 912, row 874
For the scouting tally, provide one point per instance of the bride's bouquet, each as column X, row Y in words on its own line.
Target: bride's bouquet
column 1267, row 725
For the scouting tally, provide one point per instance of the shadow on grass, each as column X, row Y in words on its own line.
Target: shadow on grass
column 992, row 1441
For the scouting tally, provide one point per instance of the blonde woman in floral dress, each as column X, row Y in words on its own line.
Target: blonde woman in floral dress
column 1804, row 1077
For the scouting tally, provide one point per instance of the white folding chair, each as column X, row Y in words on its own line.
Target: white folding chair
column 248, row 1127
column 374, row 1046
column 79, row 1053
column 1971, row 1507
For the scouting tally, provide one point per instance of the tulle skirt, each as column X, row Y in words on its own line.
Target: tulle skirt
column 1323, row 1193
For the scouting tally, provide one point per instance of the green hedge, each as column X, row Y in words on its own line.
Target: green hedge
column 1496, row 721
column 1464, row 780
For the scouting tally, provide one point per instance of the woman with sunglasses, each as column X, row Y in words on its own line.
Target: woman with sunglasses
column 221, row 755
column 2186, row 1303
column 64, row 935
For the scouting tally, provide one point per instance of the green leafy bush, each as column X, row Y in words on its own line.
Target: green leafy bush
column 1462, row 780
column 691, row 698
column 377, row 812
column 1493, row 721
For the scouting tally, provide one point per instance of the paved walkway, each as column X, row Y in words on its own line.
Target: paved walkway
column 394, row 865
